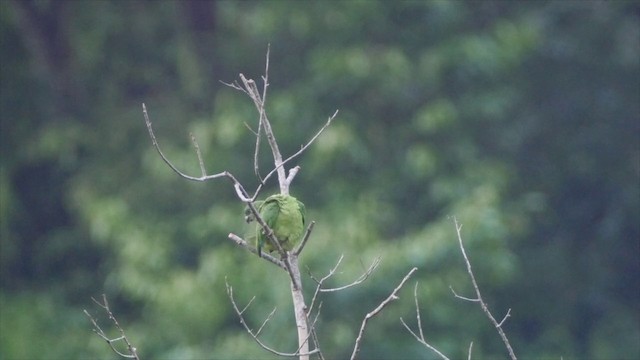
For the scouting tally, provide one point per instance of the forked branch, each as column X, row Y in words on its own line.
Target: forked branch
column 478, row 298
column 285, row 181
column 320, row 282
column 255, row 334
column 420, row 337
column 132, row 352
column 377, row 310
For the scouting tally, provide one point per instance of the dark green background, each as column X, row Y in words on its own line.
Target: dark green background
column 521, row 119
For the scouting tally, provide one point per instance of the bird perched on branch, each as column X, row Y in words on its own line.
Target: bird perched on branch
column 284, row 214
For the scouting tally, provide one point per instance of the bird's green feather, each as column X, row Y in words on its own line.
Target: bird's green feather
column 283, row 214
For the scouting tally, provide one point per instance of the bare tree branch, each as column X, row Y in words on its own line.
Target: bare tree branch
column 249, row 87
column 314, row 335
column 320, row 282
column 243, row 243
column 478, row 297
column 265, row 81
column 421, row 338
column 132, row 352
column 253, row 334
column 166, row 160
column 463, row 297
column 242, row 193
column 305, row 238
column 251, row 91
column 359, row 280
column 304, row 147
column 377, row 310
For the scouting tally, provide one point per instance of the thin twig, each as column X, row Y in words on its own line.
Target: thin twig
column 377, row 310
column 463, row 297
column 303, row 148
column 166, row 160
column 247, row 306
column 242, row 193
column 259, row 100
column 199, row 154
column 299, row 248
column 132, row 351
column 266, row 321
column 249, row 87
column 506, row 316
column 364, row 276
column 320, row 282
column 359, row 280
column 312, row 330
column 265, row 82
column 478, row 298
column 421, row 338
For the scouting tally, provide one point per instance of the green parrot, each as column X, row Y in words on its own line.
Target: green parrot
column 284, row 214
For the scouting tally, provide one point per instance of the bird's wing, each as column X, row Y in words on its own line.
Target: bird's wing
column 269, row 211
column 302, row 210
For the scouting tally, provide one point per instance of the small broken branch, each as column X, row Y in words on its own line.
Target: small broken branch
column 132, row 351
column 377, row 310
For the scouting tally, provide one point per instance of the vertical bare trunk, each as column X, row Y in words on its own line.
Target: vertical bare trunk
column 299, row 308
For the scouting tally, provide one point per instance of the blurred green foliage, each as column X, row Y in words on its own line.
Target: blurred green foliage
column 519, row 118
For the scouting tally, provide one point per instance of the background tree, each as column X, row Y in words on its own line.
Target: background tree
column 521, row 119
